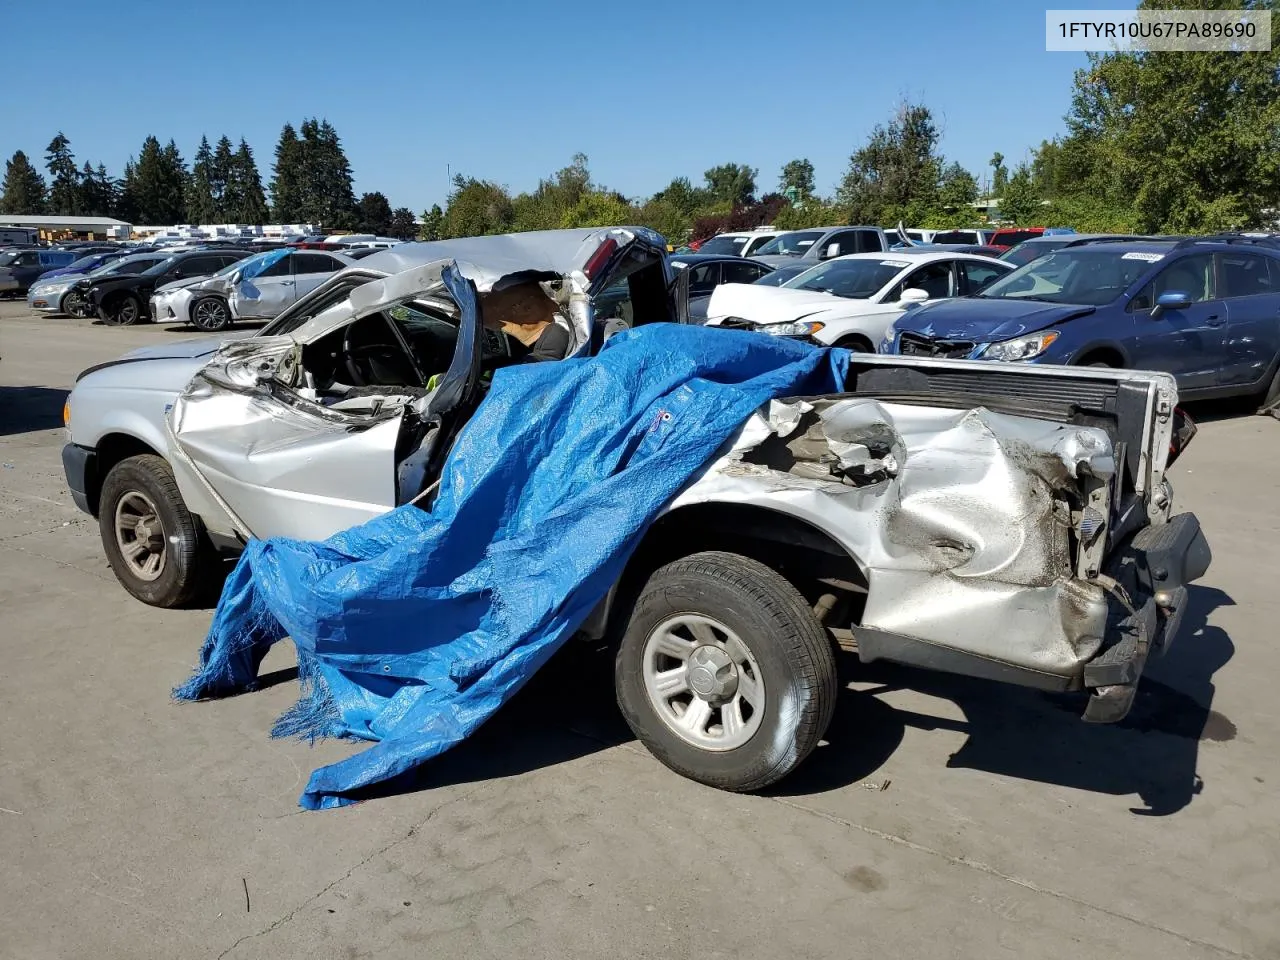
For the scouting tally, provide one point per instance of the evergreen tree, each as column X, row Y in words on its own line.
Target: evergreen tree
column 156, row 184
column 24, row 189
column 201, row 207
column 999, row 174
column 375, row 214
column 126, row 193
column 327, row 196
column 221, row 171
column 64, row 178
column 286, row 177
column 97, row 191
column 176, row 177
column 403, row 226
column 243, row 200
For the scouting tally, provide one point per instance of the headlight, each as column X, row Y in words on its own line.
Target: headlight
column 890, row 335
column 800, row 328
column 1021, row 348
column 52, row 286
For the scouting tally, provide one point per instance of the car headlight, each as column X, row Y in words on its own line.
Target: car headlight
column 52, row 286
column 1021, row 348
column 886, row 341
column 798, row 328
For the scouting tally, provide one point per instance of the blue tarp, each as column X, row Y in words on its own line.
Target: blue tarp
column 414, row 628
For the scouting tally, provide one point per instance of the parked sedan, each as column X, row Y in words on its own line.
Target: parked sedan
column 707, row 271
column 21, row 268
column 850, row 301
column 125, row 300
column 255, row 288
column 1202, row 309
column 66, row 295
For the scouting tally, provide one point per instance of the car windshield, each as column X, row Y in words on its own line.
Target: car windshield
column 855, row 279
column 236, row 265
column 726, row 246
column 118, row 266
column 1075, row 275
column 790, row 244
column 7, row 258
column 84, row 263
column 1027, row 251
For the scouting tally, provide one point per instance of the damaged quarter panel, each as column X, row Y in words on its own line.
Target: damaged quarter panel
column 960, row 519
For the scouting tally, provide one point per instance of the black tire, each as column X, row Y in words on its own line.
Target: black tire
column 189, row 561
column 72, row 304
column 1272, row 393
column 856, row 344
column 789, row 645
column 124, row 311
column 210, row 314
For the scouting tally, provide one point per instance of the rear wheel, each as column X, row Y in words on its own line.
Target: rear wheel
column 152, row 542
column 724, row 672
column 124, row 311
column 210, row 314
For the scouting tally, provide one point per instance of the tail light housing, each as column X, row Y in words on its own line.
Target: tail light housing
column 1184, row 428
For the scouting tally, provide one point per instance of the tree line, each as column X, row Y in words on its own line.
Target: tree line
column 1154, row 142
column 311, row 183
column 1159, row 142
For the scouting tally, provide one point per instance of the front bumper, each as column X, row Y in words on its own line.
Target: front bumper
column 46, row 302
column 1151, row 572
column 80, row 465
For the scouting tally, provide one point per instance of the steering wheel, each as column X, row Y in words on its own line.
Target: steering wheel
column 360, row 360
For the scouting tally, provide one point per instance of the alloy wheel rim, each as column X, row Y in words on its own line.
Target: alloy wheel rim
column 140, row 535
column 703, row 682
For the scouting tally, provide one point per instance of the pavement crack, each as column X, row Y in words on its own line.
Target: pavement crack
column 408, row 835
column 1008, row 878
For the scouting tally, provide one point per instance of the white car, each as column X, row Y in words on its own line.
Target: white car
column 742, row 244
column 215, row 302
column 850, row 301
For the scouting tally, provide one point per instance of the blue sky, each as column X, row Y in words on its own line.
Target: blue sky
column 509, row 91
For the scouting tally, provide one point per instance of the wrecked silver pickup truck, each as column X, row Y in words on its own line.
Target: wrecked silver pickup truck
column 1000, row 521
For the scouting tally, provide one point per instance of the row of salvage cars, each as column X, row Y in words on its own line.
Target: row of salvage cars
column 208, row 288
column 1005, row 521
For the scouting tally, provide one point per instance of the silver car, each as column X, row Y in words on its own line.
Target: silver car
column 1006, row 521
column 213, row 303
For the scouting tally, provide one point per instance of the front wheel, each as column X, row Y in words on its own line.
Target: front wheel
column 724, row 673
column 124, row 311
column 152, row 542
column 73, row 305
column 210, row 314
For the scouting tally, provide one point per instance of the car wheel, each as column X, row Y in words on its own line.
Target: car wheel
column 724, row 673
column 73, row 304
column 153, row 543
column 124, row 311
column 211, row 314
column 856, row 344
column 1272, row 393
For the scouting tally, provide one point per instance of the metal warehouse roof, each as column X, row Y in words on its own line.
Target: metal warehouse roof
column 10, row 221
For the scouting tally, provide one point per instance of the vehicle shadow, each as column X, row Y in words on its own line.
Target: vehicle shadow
column 1210, row 411
column 565, row 711
column 24, row 409
column 1031, row 735
column 196, row 331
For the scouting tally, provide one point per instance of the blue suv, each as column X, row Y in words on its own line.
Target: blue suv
column 1205, row 309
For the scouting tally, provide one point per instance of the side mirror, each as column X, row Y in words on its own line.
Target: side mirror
column 1170, row 300
column 833, row 250
column 236, row 277
column 913, row 295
